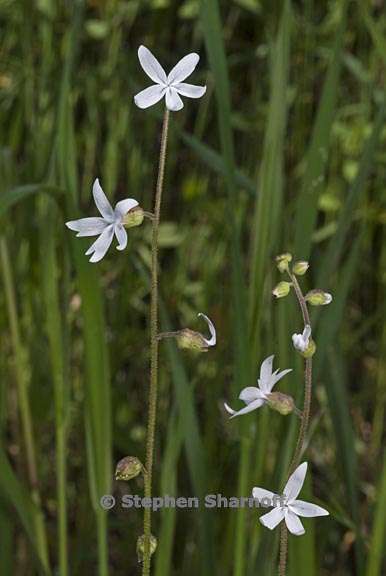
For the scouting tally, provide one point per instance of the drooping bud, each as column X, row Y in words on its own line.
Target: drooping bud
column 282, row 289
column 128, row 468
column 300, row 267
column 283, row 260
column 141, row 546
column 310, row 350
column 280, row 402
column 190, row 340
column 134, row 217
column 318, row 297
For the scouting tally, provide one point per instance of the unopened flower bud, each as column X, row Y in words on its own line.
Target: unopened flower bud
column 134, row 217
column 128, row 468
column 282, row 289
column 141, row 546
column 280, row 402
column 283, row 260
column 318, row 297
column 310, row 350
column 300, row 267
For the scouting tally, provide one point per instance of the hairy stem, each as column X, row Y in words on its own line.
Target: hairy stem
column 305, row 418
column 283, row 549
column 152, row 414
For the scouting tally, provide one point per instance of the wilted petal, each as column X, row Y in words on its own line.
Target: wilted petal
column 87, row 226
column 101, row 245
column 190, row 90
column 294, row 524
column 183, row 68
column 173, row 101
column 149, row 96
column 273, row 518
column 307, row 509
column 102, row 202
column 123, row 206
column 250, row 393
column 212, row 330
column 121, row 236
column 252, row 406
column 151, row 65
column 295, row 482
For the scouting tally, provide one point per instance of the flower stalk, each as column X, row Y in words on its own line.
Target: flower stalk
column 304, row 418
column 154, row 344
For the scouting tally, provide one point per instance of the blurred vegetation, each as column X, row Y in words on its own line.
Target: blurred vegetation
column 285, row 152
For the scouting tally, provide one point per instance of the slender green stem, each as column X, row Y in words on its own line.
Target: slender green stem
column 305, row 418
column 24, row 405
column 152, row 415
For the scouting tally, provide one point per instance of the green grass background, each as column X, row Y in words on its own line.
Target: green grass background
column 285, row 152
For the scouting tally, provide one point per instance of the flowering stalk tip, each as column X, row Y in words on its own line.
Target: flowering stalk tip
column 282, row 261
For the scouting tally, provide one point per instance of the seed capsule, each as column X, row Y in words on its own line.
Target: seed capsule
column 128, row 468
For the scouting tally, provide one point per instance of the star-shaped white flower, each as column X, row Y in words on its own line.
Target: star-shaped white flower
column 287, row 507
column 301, row 341
column 111, row 223
column 256, row 397
column 170, row 86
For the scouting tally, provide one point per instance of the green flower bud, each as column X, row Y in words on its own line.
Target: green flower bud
column 141, row 546
column 282, row 289
column 283, row 260
column 190, row 340
column 310, row 350
column 134, row 217
column 300, row 267
column 318, row 297
column 280, row 402
column 128, row 468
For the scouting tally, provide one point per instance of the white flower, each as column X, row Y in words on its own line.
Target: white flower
column 301, row 341
column 256, row 397
column 287, row 507
column 111, row 223
column 212, row 340
column 170, row 86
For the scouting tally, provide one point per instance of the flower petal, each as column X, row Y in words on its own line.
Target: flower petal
column 252, row 406
column 294, row 524
column 260, row 493
column 265, row 373
column 87, row 226
column 149, row 96
column 123, row 206
column 250, row 394
column 173, row 101
column 151, row 65
column 190, row 90
column 307, row 509
column 276, row 376
column 183, row 68
column 212, row 330
column 101, row 245
column 121, row 236
column 102, row 202
column 295, row 482
column 273, row 518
